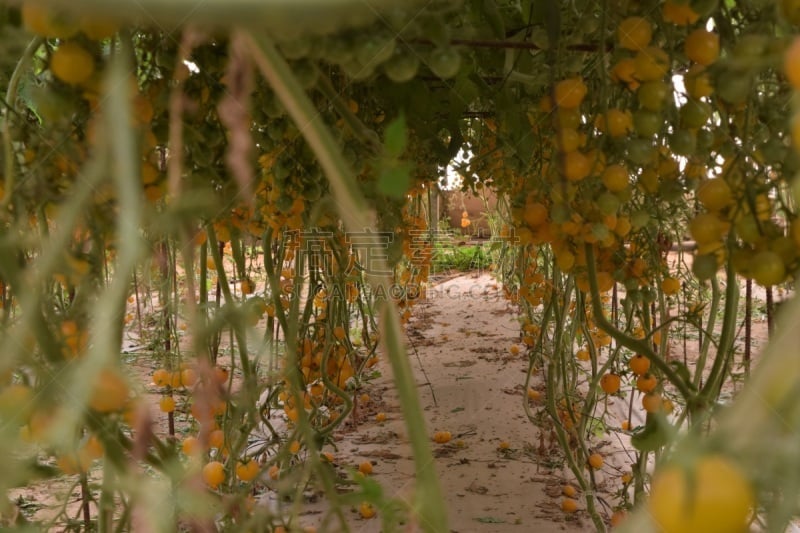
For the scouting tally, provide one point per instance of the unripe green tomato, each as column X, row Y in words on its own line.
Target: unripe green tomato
column 704, row 267
column 767, row 268
column 652, row 95
column 647, row 123
column 694, row 113
column 683, row 142
column 734, row 86
column 640, row 151
column 444, row 62
column 608, row 203
column 402, row 66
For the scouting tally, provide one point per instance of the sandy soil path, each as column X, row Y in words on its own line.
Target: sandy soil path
column 471, row 385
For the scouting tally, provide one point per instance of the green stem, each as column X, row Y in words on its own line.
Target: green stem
column 352, row 207
column 636, row 345
column 125, row 175
column 105, row 515
column 556, row 368
column 222, row 277
column 725, row 348
column 709, row 329
column 362, row 132
column 11, row 96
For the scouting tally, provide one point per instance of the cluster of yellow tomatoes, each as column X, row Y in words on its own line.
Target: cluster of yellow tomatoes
column 616, row 150
column 606, row 180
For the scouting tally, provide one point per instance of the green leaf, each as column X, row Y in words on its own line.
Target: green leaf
column 655, row 434
column 490, row 520
column 372, row 490
column 395, row 180
column 597, row 427
column 395, row 137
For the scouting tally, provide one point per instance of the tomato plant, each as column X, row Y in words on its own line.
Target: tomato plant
column 204, row 198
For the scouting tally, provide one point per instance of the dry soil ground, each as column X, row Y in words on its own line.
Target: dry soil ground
column 470, row 384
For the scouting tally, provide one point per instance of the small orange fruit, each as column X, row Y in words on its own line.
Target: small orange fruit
column 667, row 405
column 167, row 404
column 697, row 82
column 327, row 457
column 71, row 63
column 97, row 29
column 274, row 472
column 534, row 395
column 715, row 194
column 639, row 364
column 220, row 375
column 618, row 123
column 652, row 402
column 365, row 468
column 702, row 46
column 568, row 505
column 248, row 287
column 651, row 63
column 69, row 328
column 161, row 377
column 646, row 382
column 339, row 333
column 617, row 517
column 576, row 166
column 46, row 21
column 670, row 286
column 610, row 383
column 68, row 463
column 706, row 228
column 679, row 13
column 596, row 461
column 634, row 33
column 247, row 470
column 191, row 446
column 366, row 510
column 294, row 447
column 16, row 401
column 624, row 71
column 188, row 377
column 216, row 439
column 110, row 392
column 442, row 437
column 714, row 496
column 569, row 93
column 569, row 491
column 615, row 178
column 213, row 474
column 92, row 447
column 380, row 417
